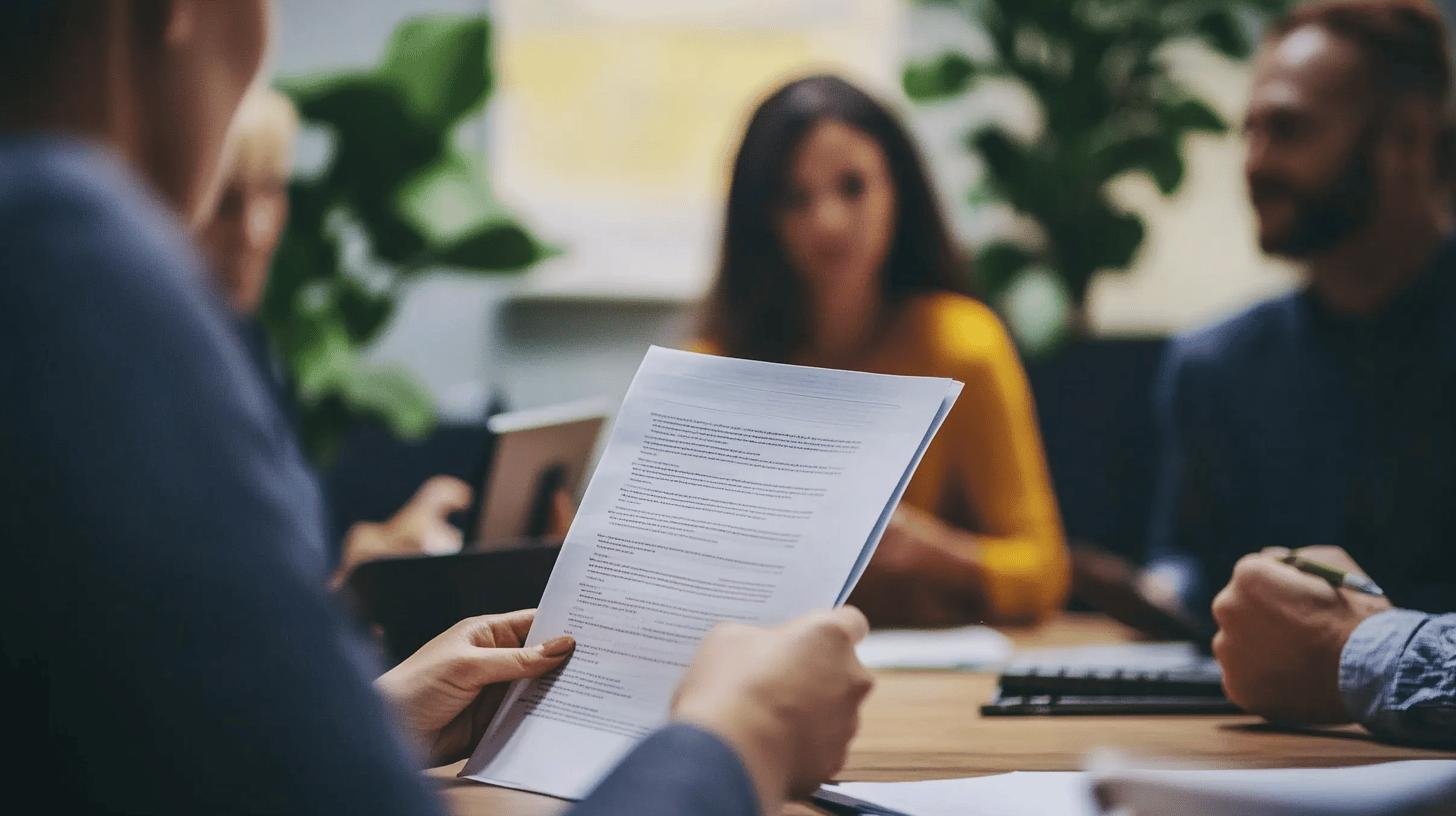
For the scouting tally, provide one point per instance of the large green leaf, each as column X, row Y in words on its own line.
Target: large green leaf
column 441, row 66
column 1223, row 31
column 306, row 89
column 324, row 355
column 1119, row 234
column 364, row 311
column 947, row 75
column 1155, row 154
column 392, row 395
column 1189, row 114
column 503, row 246
column 306, row 253
column 1009, row 164
column 448, row 200
column 998, row 263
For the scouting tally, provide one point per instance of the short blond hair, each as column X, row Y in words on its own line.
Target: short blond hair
column 262, row 136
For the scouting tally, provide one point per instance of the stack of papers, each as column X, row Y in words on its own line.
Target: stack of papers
column 728, row 491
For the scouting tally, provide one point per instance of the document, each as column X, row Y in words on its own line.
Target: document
column 1042, row 793
column 1130, row 657
column 1410, row 787
column 729, row 490
column 966, row 647
column 1418, row 787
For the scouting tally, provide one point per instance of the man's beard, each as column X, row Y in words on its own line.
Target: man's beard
column 1325, row 217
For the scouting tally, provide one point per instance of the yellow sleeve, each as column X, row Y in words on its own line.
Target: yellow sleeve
column 1005, row 483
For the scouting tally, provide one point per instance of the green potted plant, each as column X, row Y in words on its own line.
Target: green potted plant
column 1099, row 71
column 396, row 200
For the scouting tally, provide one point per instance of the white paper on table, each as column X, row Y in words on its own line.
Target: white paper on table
column 1409, row 788
column 1147, row 657
column 729, row 490
column 1044, row 793
column 1426, row 787
column 966, row 647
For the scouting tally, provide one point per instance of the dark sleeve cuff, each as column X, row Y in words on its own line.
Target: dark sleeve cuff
column 679, row 769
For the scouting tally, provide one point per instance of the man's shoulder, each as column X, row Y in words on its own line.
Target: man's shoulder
column 40, row 173
column 100, row 272
column 126, row 362
column 1256, row 335
column 70, row 214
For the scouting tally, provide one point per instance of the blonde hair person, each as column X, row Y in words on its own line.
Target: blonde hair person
column 252, row 205
column 835, row 254
column 240, row 236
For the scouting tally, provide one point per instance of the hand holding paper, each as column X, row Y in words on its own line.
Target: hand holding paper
column 729, row 491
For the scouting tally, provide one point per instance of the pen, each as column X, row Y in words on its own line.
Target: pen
column 1336, row 577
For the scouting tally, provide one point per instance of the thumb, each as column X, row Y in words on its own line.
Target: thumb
column 498, row 665
column 852, row 621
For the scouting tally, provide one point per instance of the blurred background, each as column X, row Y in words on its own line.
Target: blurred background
column 570, row 159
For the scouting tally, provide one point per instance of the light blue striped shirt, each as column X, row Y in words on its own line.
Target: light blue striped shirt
column 1398, row 676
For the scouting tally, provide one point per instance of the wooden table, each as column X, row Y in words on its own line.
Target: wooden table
column 926, row 725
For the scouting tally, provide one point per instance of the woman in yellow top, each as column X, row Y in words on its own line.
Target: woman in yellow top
column 835, row 254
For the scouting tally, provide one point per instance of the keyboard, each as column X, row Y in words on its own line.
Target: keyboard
column 1051, row 690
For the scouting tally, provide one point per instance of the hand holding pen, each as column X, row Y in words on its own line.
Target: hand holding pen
column 1336, row 577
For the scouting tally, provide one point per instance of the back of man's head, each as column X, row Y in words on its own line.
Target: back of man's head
column 157, row 81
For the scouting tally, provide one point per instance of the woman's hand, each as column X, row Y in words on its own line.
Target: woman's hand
column 921, row 576
column 447, row 692
column 421, row 526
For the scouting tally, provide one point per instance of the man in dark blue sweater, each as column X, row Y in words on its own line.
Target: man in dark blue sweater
column 1328, row 417
column 166, row 644
column 1326, row 420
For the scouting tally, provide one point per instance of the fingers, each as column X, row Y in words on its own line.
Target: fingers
column 1330, row 556
column 1262, row 586
column 507, row 629
column 845, row 623
column 440, row 496
column 1256, row 573
column 423, row 525
column 488, row 666
column 520, row 622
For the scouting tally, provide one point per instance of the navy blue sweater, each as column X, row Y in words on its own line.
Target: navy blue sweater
column 1289, row 426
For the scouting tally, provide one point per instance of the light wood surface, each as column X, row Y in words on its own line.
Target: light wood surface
column 927, row 725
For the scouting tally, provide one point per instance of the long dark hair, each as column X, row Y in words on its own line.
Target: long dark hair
column 757, row 308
